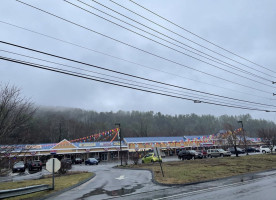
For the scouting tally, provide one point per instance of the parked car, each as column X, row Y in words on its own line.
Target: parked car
column 265, row 149
column 18, row 167
column 204, row 153
column 35, row 165
column 77, row 161
column 91, row 161
column 98, row 159
column 150, row 157
column 252, row 149
column 239, row 150
column 68, row 160
column 186, row 155
column 198, row 154
column 218, row 153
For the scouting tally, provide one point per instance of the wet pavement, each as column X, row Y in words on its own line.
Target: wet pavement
column 112, row 183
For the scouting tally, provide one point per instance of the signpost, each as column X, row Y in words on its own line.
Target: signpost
column 158, row 152
column 53, row 165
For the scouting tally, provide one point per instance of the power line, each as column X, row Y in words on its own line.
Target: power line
column 171, row 48
column 199, row 36
column 155, row 55
column 126, row 74
column 66, row 72
column 148, row 27
column 215, row 99
column 128, row 61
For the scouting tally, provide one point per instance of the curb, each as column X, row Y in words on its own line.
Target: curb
column 67, row 189
column 197, row 182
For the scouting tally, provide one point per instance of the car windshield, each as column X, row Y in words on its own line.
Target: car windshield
column 19, row 164
column 220, row 150
column 93, row 159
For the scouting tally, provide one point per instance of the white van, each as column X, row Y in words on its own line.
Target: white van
column 265, row 149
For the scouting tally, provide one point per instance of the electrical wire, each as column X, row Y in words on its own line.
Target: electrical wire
column 66, row 72
column 171, row 48
column 148, row 27
column 155, row 55
column 120, row 78
column 128, row 61
column 218, row 46
column 126, row 74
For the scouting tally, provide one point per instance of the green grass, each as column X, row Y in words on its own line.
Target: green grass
column 207, row 169
column 61, row 182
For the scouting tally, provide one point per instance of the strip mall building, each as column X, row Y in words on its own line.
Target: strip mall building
column 107, row 151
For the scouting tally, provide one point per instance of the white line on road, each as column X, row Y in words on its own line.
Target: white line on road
column 121, row 177
column 212, row 188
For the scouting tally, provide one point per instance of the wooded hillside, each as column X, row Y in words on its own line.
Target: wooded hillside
column 54, row 124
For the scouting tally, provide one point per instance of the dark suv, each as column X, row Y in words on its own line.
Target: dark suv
column 35, row 165
column 188, row 155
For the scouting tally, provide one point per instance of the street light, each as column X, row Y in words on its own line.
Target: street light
column 120, row 135
column 240, row 122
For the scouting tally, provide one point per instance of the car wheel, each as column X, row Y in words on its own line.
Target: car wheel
column 97, row 163
column 221, row 155
column 182, row 158
column 193, row 157
column 263, row 151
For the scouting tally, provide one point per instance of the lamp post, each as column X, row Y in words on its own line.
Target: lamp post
column 240, row 122
column 120, row 135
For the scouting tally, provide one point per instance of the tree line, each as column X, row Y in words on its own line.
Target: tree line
column 52, row 124
column 55, row 124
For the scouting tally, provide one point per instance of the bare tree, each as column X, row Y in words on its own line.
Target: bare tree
column 232, row 137
column 268, row 136
column 15, row 113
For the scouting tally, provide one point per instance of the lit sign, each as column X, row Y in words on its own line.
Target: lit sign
column 91, row 144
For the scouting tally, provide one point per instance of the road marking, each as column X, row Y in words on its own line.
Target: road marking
column 121, row 177
column 213, row 188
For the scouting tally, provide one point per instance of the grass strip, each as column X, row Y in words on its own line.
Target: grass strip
column 189, row 171
column 61, row 182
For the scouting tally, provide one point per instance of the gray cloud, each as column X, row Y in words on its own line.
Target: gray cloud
column 246, row 27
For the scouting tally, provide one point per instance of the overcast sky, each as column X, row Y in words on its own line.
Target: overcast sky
column 246, row 28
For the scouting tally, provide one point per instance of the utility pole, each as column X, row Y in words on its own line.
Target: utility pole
column 59, row 132
column 120, row 135
column 245, row 143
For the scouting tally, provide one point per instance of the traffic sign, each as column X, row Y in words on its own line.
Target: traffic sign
column 53, row 163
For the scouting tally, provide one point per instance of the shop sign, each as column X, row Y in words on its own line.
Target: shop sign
column 105, row 144
column 116, row 143
column 33, row 146
column 90, row 144
column 53, row 152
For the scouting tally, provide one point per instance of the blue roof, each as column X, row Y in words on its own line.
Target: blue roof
column 192, row 137
column 152, row 139
column 88, row 145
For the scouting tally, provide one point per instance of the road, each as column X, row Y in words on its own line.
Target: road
column 111, row 183
column 262, row 188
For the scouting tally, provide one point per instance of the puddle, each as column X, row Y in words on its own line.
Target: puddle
column 118, row 192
